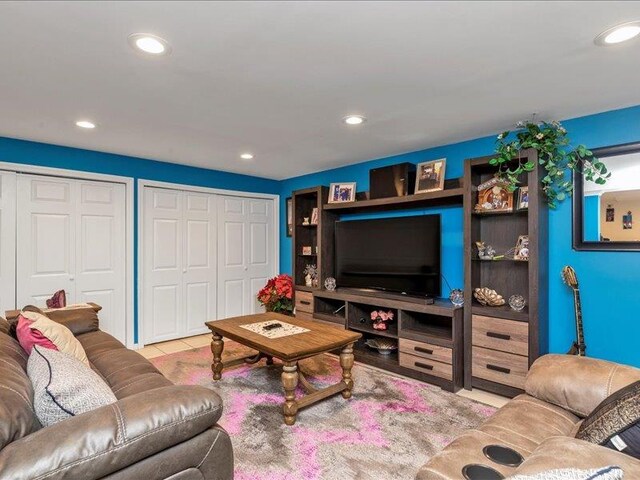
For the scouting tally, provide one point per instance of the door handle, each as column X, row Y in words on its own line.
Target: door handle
column 423, row 350
column 501, row 336
column 71, row 279
column 246, row 268
column 423, row 365
column 498, row 369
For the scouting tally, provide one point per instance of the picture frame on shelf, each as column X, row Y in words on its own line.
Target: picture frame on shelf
column 430, row 176
column 314, row 216
column 522, row 248
column 342, row 192
column 523, row 198
column 494, row 196
column 307, row 250
column 289, row 206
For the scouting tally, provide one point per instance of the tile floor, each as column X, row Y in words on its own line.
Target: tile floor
column 173, row 346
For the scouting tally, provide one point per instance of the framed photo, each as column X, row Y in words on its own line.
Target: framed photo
column 494, row 196
column 627, row 221
column 611, row 213
column 289, row 217
column 430, row 176
column 522, row 248
column 342, row 192
column 314, row 216
column 306, row 250
column 523, row 198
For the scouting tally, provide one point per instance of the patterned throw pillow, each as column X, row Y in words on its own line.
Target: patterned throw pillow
column 605, row 473
column 64, row 386
column 615, row 423
column 58, row 334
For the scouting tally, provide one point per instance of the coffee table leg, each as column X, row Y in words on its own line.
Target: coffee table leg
column 346, row 362
column 290, row 382
column 217, row 345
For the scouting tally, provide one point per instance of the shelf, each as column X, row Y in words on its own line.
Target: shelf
column 364, row 329
column 429, row 331
column 307, row 254
column 368, row 355
column 308, row 225
column 504, row 311
column 524, row 211
column 449, row 196
column 327, row 317
column 304, row 288
column 502, row 260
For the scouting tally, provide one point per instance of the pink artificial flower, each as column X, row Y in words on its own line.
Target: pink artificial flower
column 383, row 316
column 374, row 315
column 390, row 315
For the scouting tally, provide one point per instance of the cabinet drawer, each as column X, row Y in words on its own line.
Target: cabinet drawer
column 500, row 334
column 426, row 350
column 304, row 302
column 425, row 365
column 499, row 367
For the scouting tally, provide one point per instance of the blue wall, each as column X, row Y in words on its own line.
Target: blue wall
column 608, row 280
column 42, row 154
column 592, row 218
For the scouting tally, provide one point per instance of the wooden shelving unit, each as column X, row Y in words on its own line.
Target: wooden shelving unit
column 451, row 195
column 429, row 337
column 500, row 344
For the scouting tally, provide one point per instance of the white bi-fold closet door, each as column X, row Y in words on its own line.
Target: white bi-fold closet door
column 205, row 256
column 71, row 235
column 179, row 250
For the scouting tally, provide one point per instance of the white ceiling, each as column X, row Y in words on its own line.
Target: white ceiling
column 275, row 78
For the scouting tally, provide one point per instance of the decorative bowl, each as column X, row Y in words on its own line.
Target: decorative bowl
column 383, row 345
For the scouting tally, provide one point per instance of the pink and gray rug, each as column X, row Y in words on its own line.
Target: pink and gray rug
column 390, row 427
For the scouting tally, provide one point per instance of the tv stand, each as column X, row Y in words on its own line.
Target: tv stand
column 428, row 336
column 405, row 297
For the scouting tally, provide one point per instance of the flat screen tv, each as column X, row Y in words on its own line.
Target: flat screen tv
column 400, row 254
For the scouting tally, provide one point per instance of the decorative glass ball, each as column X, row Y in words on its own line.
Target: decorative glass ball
column 517, row 302
column 457, row 297
column 330, row 284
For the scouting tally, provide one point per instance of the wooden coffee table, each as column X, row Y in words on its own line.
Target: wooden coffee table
column 290, row 348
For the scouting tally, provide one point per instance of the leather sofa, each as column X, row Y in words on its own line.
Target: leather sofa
column 560, row 391
column 156, row 430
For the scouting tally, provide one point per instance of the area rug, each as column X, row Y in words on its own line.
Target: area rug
column 387, row 430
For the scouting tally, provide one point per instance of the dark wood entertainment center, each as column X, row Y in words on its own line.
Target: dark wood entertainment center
column 485, row 347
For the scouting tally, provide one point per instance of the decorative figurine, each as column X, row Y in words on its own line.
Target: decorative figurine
column 330, row 284
column 485, row 252
column 457, row 297
column 517, row 302
column 488, row 297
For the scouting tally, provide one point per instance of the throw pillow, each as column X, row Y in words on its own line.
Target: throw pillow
column 28, row 337
column 605, row 473
column 63, row 386
column 58, row 334
column 615, row 423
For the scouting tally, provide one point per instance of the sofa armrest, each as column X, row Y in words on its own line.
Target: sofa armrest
column 97, row 443
column 577, row 384
column 566, row 452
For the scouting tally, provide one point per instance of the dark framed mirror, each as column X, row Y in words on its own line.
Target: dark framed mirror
column 604, row 216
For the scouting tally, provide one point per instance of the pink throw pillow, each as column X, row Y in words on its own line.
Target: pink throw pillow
column 28, row 337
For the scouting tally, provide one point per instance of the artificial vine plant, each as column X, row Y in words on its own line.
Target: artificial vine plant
column 554, row 152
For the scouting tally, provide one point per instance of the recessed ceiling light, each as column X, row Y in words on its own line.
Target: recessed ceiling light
column 354, row 119
column 246, row 156
column 85, row 124
column 148, row 43
column 618, row 34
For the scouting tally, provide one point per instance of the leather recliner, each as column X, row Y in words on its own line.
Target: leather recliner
column 156, row 430
column 541, row 424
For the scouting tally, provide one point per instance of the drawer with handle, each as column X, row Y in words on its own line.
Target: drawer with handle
column 501, row 334
column 304, row 302
column 426, row 350
column 424, row 365
column 499, row 367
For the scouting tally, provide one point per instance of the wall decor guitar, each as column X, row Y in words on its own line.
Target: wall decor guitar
column 569, row 277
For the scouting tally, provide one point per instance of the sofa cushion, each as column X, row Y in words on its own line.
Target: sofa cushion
column 577, row 384
column 4, row 326
column 17, row 416
column 125, row 371
column 79, row 319
column 64, row 386
column 615, row 423
column 527, row 422
column 566, row 452
column 605, row 473
column 58, row 334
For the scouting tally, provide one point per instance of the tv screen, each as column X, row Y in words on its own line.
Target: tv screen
column 399, row 254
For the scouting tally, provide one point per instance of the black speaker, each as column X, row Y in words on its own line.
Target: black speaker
column 392, row 181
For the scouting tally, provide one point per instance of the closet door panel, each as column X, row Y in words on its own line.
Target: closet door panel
column 7, row 241
column 260, row 249
column 199, row 274
column 101, row 252
column 162, row 253
column 46, row 232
